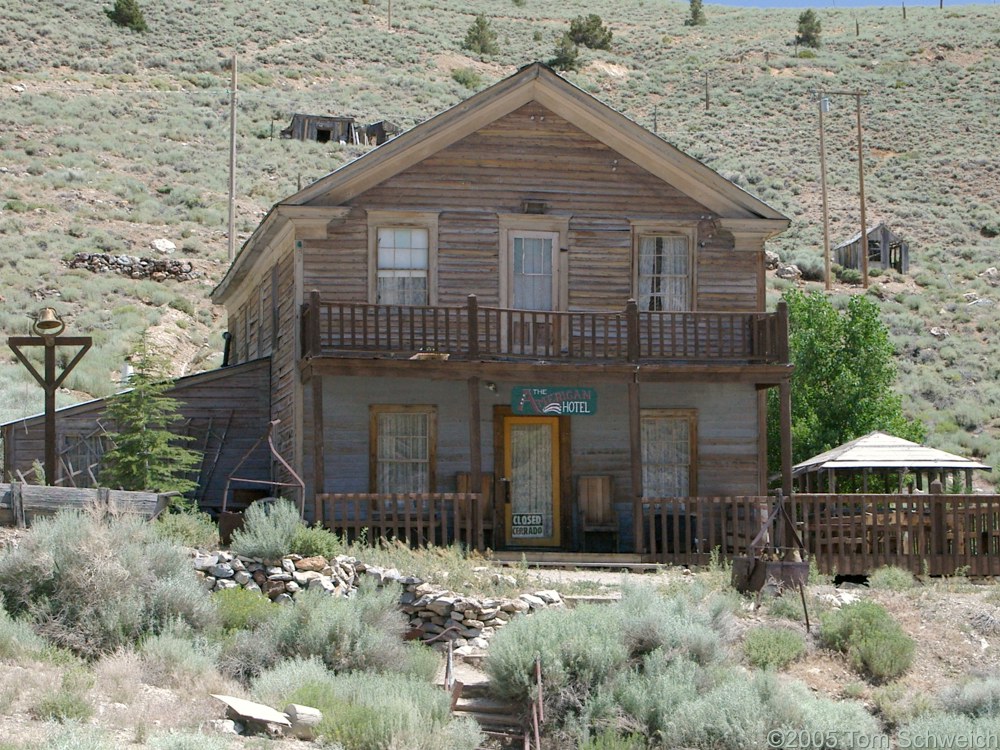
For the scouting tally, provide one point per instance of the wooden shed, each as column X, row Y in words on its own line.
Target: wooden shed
column 322, row 128
column 884, row 247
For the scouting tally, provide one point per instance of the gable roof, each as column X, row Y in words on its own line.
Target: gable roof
column 878, row 450
column 533, row 83
column 871, row 230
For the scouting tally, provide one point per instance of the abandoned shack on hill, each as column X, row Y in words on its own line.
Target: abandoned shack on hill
column 884, row 247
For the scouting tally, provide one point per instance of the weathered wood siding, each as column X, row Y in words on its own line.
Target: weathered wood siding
column 535, row 155
column 224, row 410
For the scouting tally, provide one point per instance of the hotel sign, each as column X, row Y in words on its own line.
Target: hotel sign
column 531, row 401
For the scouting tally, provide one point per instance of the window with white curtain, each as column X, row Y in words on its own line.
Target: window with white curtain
column 668, row 452
column 664, row 273
column 402, row 448
column 402, row 264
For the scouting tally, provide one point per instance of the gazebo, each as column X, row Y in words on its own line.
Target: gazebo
column 884, row 455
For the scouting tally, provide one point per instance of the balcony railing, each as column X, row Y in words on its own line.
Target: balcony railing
column 482, row 333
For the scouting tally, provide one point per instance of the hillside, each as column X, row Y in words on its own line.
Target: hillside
column 112, row 139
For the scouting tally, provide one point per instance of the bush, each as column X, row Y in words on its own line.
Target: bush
column 189, row 529
column 696, row 16
column 243, row 609
column 567, row 54
column 17, row 639
column 481, row 38
column 174, row 659
column 942, row 731
column 127, row 13
column 810, row 29
column 467, row 77
column 875, row 643
column 891, row 578
column 776, row 648
column 269, row 528
column 145, row 582
column 590, row 31
column 978, row 697
column 69, row 703
column 310, row 541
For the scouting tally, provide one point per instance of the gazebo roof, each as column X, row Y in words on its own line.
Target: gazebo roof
column 877, row 450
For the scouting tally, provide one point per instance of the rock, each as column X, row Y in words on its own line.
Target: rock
column 480, row 643
column 303, row 578
column 442, row 605
column 221, row 570
column 534, row 602
column 208, row 582
column 982, row 302
column 292, row 587
column 283, row 599
column 322, row 583
column 241, row 577
column 771, row 260
column 163, row 246
column 790, row 272
column 549, row 596
column 273, row 588
column 226, row 583
column 224, row 726
column 311, row 564
column 253, row 713
column 304, row 720
column 938, row 332
column 287, row 565
column 252, row 586
column 18, row 88
column 204, row 562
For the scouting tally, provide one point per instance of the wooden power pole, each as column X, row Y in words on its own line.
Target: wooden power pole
column 232, row 162
column 824, row 103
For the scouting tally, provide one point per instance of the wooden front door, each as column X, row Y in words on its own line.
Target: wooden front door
column 531, row 466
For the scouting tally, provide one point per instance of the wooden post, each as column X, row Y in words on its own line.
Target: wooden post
column 782, row 343
column 476, row 459
column 635, row 453
column 785, row 396
column 472, row 346
column 861, row 193
column 312, row 331
column 17, row 504
column 824, row 102
column 939, row 531
column 706, row 92
column 632, row 327
column 319, row 448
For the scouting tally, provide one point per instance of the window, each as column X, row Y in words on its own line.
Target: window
column 402, row 266
column 402, row 448
column 402, row 256
column 664, row 273
column 669, row 440
column 80, row 459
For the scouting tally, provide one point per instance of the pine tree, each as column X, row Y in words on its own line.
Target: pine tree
column 128, row 13
column 809, row 29
column 567, row 54
column 590, row 31
column 697, row 17
column 481, row 38
column 145, row 454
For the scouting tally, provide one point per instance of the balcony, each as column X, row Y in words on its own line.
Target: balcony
column 471, row 332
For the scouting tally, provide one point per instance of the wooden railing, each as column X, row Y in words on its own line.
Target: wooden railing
column 474, row 332
column 417, row 519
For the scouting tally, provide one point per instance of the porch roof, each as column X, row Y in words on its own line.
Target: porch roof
column 878, row 450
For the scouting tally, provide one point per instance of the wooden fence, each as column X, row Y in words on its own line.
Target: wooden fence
column 20, row 503
column 418, row 519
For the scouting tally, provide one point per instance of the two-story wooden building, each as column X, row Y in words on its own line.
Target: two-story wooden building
column 528, row 295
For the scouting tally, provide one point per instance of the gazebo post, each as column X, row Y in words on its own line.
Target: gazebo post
column 864, row 480
column 968, row 481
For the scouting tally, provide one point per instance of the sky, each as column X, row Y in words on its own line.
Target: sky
column 841, row 3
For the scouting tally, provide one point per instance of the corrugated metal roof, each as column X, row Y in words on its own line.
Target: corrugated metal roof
column 877, row 450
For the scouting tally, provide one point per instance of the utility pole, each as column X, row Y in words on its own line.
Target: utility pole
column 232, row 162
column 706, row 92
column 861, row 193
column 824, row 105
column 389, row 21
column 655, row 123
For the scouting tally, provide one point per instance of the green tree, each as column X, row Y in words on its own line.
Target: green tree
column 842, row 387
column 567, row 54
column 697, row 15
column 128, row 13
column 145, row 454
column 809, row 29
column 481, row 38
column 590, row 31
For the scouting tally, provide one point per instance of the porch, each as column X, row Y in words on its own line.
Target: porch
column 845, row 534
column 351, row 329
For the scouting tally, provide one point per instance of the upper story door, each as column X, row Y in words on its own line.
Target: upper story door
column 533, row 284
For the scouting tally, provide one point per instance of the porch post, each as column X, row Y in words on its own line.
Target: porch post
column 785, row 396
column 319, row 471
column 635, row 451
column 476, row 458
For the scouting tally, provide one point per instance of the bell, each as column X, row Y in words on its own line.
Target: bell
column 48, row 321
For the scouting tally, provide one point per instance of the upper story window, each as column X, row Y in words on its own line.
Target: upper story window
column 402, row 257
column 401, row 277
column 664, row 273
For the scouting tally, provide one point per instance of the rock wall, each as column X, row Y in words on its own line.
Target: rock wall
column 437, row 615
column 134, row 267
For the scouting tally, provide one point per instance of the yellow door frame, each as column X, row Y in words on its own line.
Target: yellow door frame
column 553, row 423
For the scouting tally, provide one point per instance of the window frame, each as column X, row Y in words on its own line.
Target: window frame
column 685, row 230
column 428, row 221
column 530, row 225
column 691, row 417
column 374, row 412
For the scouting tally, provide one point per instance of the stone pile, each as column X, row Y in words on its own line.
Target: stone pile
column 135, row 267
column 436, row 615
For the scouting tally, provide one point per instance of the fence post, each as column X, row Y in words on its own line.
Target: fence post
column 632, row 327
column 17, row 504
column 472, row 346
column 782, row 343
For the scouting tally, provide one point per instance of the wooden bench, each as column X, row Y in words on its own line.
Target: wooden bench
column 595, row 506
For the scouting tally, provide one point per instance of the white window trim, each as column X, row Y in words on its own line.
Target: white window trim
column 532, row 225
column 403, row 220
column 684, row 229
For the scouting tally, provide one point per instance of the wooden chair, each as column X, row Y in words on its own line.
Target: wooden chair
column 596, row 509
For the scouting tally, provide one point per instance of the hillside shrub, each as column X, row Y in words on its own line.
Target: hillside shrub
column 310, row 541
column 875, row 643
column 567, row 54
column 891, row 578
column 173, row 659
column 17, row 640
column 773, row 648
column 269, row 528
column 696, row 14
column 127, row 13
column 975, row 697
column 809, row 29
column 69, row 702
column 145, row 582
column 243, row 609
column 188, row 529
column 481, row 38
column 467, row 77
column 590, row 31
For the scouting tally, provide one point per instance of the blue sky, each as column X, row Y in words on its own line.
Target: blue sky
column 840, row 3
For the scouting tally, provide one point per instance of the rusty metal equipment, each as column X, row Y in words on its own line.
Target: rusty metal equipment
column 776, row 565
column 274, row 452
